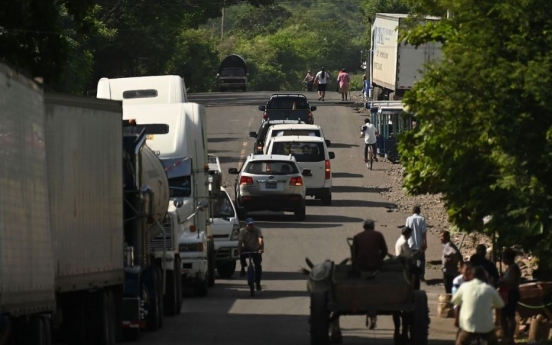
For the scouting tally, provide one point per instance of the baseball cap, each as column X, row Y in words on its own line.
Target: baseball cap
column 249, row 221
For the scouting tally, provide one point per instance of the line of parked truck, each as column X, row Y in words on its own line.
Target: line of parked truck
column 109, row 209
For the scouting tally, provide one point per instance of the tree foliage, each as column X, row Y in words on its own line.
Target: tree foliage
column 484, row 114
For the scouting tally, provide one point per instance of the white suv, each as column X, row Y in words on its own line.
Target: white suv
column 311, row 153
column 271, row 182
column 294, row 129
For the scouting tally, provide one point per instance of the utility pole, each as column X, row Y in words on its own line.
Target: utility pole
column 222, row 24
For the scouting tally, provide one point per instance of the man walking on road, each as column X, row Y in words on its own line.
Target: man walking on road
column 251, row 239
column 418, row 240
column 450, row 259
column 474, row 315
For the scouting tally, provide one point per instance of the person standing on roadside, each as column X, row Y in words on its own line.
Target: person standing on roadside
column 508, row 286
column 309, row 79
column 251, row 239
column 343, row 80
column 475, row 301
column 322, row 77
column 418, row 241
column 490, row 267
column 450, row 259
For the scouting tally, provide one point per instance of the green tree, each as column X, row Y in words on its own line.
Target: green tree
column 484, row 114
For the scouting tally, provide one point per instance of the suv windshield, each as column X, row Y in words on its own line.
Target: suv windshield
column 271, row 168
column 302, row 151
column 233, row 72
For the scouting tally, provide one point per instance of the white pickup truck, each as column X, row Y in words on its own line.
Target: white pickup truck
column 225, row 224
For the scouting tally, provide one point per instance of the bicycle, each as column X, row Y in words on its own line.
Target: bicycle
column 250, row 276
column 370, row 156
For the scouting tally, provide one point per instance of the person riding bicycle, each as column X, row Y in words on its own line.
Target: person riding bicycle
column 369, row 132
column 309, row 80
column 251, row 239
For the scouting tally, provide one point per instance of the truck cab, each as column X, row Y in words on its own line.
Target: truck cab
column 232, row 74
column 163, row 89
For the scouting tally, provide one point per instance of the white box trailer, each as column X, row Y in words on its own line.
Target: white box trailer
column 397, row 66
column 26, row 259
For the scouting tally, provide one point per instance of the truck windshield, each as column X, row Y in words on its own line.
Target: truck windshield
column 129, row 94
column 180, row 186
column 222, row 206
column 233, row 72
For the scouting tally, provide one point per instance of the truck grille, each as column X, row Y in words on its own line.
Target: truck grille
column 157, row 243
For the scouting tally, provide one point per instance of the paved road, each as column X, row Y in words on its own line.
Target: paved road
column 279, row 314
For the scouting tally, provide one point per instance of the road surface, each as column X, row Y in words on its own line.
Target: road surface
column 278, row 315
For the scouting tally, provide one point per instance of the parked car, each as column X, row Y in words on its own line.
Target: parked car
column 288, row 107
column 311, row 153
column 271, row 183
column 263, row 130
column 295, row 129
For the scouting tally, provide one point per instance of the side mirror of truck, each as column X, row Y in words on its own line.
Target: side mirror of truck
column 262, row 107
column 307, row 172
column 233, row 171
column 328, row 143
column 253, row 134
column 313, row 107
column 202, row 205
column 331, row 154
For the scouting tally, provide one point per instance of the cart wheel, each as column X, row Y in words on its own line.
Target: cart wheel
column 419, row 323
column 319, row 319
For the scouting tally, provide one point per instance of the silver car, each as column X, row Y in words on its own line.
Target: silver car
column 272, row 183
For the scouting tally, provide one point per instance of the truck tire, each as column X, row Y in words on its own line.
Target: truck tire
column 319, row 319
column 419, row 322
column 226, row 269
column 179, row 289
column 74, row 324
column 170, row 298
column 155, row 312
column 210, row 263
column 301, row 213
column 102, row 318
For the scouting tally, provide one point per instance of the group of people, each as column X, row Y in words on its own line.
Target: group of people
column 475, row 285
column 320, row 81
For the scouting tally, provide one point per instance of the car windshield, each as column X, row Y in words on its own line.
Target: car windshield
column 180, row 186
column 233, row 72
column 302, row 151
column 288, row 103
column 311, row 133
column 271, row 167
column 222, row 206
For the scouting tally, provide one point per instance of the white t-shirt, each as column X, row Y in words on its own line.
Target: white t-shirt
column 322, row 77
column 478, row 300
column 402, row 248
column 369, row 131
column 418, row 225
column 456, row 282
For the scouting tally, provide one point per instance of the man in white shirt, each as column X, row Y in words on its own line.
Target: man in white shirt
column 369, row 132
column 418, row 241
column 322, row 78
column 476, row 300
column 401, row 246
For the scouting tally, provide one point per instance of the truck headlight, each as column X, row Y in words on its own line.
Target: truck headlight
column 235, row 234
column 191, row 247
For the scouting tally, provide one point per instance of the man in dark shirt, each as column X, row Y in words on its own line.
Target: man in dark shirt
column 489, row 266
column 369, row 248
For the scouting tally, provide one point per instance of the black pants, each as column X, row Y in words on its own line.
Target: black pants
column 374, row 151
column 447, row 279
column 257, row 259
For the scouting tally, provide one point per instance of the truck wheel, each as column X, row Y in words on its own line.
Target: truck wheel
column 226, row 269
column 327, row 198
column 102, row 321
column 320, row 319
column 179, row 290
column 419, row 322
column 301, row 213
column 74, row 324
column 201, row 289
column 210, row 263
column 154, row 310
column 170, row 298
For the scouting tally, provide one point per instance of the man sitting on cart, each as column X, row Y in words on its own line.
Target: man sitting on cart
column 369, row 250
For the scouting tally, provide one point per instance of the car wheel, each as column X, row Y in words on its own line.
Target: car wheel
column 301, row 213
column 327, row 198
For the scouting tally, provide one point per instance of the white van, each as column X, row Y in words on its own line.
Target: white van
column 162, row 89
column 311, row 153
column 295, row 129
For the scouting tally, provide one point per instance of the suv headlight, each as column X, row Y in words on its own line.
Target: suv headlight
column 235, row 234
column 191, row 247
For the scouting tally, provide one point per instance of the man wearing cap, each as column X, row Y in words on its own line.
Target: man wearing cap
column 251, row 239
